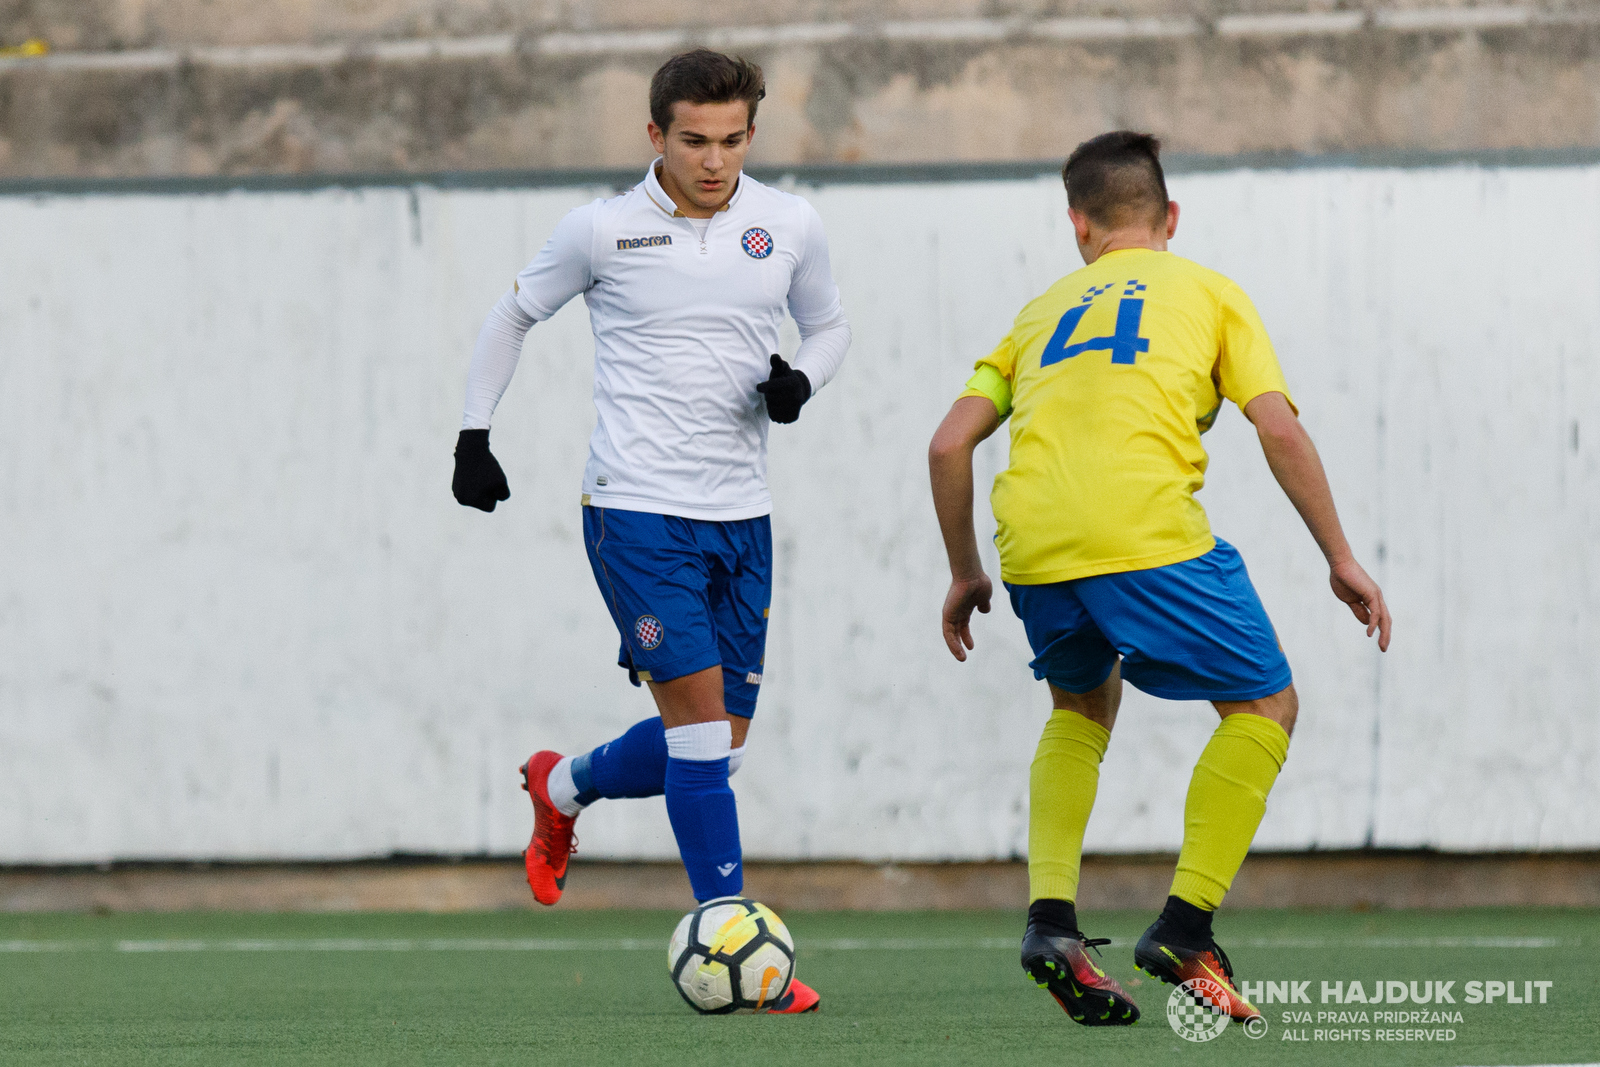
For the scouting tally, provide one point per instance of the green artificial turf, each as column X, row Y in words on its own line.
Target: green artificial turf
column 554, row 987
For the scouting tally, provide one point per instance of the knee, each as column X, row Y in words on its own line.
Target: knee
column 1101, row 715
column 1285, row 709
column 691, row 699
column 1099, row 705
column 1092, row 706
column 1282, row 707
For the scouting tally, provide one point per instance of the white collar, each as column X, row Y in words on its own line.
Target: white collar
column 658, row 195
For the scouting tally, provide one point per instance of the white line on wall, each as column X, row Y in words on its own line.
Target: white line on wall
column 974, row 31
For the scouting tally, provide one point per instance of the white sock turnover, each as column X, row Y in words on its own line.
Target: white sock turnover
column 735, row 758
column 700, row 741
column 562, row 789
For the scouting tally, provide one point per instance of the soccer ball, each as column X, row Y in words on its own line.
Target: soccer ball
column 731, row 955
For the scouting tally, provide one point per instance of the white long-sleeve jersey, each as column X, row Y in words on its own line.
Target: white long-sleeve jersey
column 683, row 329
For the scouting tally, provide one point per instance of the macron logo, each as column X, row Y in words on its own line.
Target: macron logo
column 642, row 242
column 727, row 869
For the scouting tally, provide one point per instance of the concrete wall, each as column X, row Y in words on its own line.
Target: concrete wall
column 240, row 615
column 202, row 87
column 118, row 25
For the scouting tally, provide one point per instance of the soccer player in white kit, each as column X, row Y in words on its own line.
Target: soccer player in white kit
column 687, row 276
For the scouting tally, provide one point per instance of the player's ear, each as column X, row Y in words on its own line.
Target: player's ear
column 1172, row 218
column 1080, row 223
column 658, row 137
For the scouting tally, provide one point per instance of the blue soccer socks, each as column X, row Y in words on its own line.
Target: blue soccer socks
column 705, row 820
column 632, row 766
column 705, row 817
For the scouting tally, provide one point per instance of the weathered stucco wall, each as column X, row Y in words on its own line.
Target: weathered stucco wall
column 242, row 617
column 200, row 87
column 87, row 25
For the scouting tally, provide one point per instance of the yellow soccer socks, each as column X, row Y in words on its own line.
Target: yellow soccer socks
column 1062, row 786
column 1227, row 797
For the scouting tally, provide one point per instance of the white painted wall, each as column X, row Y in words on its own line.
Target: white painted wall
column 241, row 616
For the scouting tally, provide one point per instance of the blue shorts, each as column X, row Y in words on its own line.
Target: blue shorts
column 1188, row 631
column 686, row 594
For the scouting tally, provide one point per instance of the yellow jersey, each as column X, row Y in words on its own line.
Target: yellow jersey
column 1109, row 379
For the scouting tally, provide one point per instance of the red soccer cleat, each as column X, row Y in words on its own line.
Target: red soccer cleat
column 1206, row 974
column 798, row 999
column 553, row 840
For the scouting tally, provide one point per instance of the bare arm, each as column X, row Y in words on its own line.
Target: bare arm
column 1298, row 469
column 970, row 420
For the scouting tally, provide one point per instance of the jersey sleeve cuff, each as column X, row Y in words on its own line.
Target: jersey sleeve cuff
column 1244, row 403
column 534, row 311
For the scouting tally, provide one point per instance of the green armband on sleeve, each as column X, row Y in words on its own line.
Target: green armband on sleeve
column 989, row 382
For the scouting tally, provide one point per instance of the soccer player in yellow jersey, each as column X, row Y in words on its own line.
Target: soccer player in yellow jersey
column 1109, row 379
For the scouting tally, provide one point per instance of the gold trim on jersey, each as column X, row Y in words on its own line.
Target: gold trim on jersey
column 675, row 212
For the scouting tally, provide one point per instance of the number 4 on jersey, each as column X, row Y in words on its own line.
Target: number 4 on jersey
column 1124, row 345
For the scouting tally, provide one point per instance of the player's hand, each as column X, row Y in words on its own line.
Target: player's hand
column 479, row 481
column 1356, row 588
column 786, row 390
column 964, row 595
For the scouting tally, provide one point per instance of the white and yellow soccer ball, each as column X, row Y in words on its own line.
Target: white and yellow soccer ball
column 731, row 955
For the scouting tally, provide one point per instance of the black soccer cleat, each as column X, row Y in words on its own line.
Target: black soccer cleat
column 1085, row 992
column 1205, row 973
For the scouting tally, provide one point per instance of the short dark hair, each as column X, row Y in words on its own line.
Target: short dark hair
column 704, row 77
column 1116, row 179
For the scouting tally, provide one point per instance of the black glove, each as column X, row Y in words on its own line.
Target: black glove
column 479, row 481
column 786, row 390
